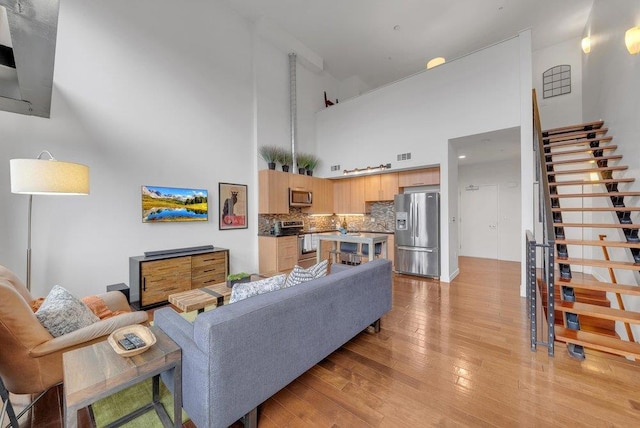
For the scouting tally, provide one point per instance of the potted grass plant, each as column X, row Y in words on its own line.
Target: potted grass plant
column 312, row 162
column 302, row 160
column 270, row 155
column 285, row 158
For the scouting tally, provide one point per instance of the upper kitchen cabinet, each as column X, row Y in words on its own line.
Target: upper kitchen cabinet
column 419, row 177
column 348, row 196
column 300, row 181
column 322, row 189
column 273, row 197
column 381, row 187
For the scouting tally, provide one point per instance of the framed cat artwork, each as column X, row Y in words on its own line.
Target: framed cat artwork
column 233, row 206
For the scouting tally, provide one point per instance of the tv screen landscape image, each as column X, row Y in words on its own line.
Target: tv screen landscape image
column 172, row 204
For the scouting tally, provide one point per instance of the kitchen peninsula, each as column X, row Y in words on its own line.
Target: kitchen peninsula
column 371, row 239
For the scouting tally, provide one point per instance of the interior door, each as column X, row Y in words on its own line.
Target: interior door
column 479, row 221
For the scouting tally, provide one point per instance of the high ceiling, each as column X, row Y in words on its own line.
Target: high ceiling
column 381, row 41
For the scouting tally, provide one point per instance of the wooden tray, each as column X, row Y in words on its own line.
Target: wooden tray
column 141, row 331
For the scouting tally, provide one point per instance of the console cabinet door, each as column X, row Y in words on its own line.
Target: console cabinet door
column 163, row 277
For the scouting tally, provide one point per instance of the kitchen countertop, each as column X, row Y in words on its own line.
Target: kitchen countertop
column 306, row 232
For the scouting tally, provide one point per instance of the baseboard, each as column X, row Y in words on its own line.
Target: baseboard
column 454, row 274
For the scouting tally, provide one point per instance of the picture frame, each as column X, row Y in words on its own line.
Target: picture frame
column 174, row 204
column 232, row 208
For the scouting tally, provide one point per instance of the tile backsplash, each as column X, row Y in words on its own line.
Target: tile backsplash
column 380, row 219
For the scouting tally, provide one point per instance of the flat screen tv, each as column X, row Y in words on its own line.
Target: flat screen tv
column 172, row 204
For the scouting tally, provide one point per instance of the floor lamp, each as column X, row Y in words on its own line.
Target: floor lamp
column 46, row 177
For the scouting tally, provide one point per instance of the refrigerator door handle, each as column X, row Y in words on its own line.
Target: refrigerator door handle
column 417, row 249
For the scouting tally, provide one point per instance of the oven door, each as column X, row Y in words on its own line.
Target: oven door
column 307, row 248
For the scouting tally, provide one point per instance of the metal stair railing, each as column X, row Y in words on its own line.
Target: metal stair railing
column 545, row 244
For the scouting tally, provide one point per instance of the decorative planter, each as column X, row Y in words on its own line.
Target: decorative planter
column 235, row 281
column 272, row 165
column 285, row 168
column 301, row 171
column 309, row 172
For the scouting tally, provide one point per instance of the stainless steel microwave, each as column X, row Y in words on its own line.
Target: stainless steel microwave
column 300, row 197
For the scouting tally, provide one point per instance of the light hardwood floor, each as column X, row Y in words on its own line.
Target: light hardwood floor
column 458, row 355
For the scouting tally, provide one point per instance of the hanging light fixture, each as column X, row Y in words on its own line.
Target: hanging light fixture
column 632, row 40
column 586, row 45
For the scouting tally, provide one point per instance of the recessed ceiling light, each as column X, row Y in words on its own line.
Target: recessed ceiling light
column 462, row 156
column 434, row 62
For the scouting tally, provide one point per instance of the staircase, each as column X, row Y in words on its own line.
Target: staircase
column 584, row 176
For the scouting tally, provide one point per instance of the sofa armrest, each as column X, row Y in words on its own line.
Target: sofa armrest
column 177, row 328
column 89, row 333
column 115, row 301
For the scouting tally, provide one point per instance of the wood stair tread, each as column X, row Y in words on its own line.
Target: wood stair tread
column 599, row 311
column 607, row 148
column 589, row 170
column 596, row 209
column 614, row 264
column 595, row 285
column 575, row 135
column 591, row 159
column 594, row 195
column 588, row 182
column 598, row 243
column 599, row 342
column 599, row 225
column 578, row 127
column 575, row 142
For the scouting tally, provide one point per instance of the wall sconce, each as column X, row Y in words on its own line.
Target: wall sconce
column 632, row 40
column 366, row 170
column 586, row 45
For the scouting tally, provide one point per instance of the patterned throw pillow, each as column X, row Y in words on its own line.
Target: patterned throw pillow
column 243, row 290
column 62, row 313
column 299, row 275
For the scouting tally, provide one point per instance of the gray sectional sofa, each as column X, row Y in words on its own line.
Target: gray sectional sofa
column 237, row 356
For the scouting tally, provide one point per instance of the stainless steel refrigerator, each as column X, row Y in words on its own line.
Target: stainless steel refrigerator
column 417, row 234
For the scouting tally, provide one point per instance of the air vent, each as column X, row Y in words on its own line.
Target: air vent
column 335, row 167
column 404, row 156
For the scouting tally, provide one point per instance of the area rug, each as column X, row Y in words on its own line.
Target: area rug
column 111, row 408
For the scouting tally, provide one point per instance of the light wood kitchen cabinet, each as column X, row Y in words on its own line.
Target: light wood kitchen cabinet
column 277, row 254
column 273, row 195
column 153, row 278
column 348, row 196
column 391, row 249
column 322, row 196
column 300, row 181
column 380, row 187
column 419, row 177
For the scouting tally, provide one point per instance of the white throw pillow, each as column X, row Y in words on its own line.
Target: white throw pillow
column 243, row 290
column 299, row 274
column 62, row 313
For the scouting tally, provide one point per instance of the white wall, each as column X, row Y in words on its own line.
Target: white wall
column 565, row 109
column 474, row 94
column 144, row 93
column 611, row 90
column 271, row 61
column 506, row 176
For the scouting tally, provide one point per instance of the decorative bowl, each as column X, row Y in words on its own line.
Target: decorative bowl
column 141, row 331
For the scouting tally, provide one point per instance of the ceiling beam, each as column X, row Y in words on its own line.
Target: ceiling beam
column 33, row 29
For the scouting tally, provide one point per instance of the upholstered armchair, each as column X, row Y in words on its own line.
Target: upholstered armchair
column 30, row 357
